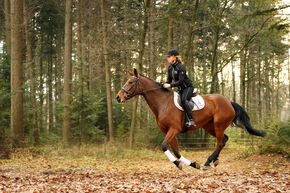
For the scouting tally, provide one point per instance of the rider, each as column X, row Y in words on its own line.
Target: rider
column 177, row 72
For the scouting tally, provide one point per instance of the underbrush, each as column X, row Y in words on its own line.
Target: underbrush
column 113, row 151
column 105, row 151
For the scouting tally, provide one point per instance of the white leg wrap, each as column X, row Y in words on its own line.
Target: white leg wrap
column 170, row 156
column 184, row 160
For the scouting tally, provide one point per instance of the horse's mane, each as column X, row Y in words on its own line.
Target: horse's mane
column 157, row 83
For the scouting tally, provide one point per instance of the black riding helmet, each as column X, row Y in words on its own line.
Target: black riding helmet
column 172, row 52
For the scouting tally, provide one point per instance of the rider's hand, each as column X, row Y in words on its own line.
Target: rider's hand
column 166, row 85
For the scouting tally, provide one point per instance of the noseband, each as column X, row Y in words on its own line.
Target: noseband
column 130, row 95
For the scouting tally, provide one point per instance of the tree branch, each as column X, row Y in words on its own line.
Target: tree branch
column 227, row 61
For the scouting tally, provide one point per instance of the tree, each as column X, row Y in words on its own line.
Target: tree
column 17, row 72
column 67, row 71
column 107, row 71
column 7, row 26
column 31, row 74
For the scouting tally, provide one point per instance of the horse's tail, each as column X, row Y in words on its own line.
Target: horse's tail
column 242, row 120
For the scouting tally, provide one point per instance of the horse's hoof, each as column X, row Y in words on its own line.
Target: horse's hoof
column 178, row 164
column 195, row 165
column 205, row 168
column 216, row 162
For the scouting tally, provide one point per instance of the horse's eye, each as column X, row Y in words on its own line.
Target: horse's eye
column 130, row 82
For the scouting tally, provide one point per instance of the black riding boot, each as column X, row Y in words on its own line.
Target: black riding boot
column 188, row 111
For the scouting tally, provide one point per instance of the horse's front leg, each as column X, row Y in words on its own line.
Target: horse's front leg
column 170, row 136
column 170, row 139
column 175, row 149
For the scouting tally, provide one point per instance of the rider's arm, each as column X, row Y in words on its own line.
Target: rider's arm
column 169, row 78
column 181, row 77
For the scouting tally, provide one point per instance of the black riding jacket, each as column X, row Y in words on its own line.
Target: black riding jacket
column 177, row 73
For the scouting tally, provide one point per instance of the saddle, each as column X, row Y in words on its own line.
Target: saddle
column 196, row 103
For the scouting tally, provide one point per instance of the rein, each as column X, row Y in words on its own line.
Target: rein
column 148, row 90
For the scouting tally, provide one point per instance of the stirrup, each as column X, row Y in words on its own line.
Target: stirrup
column 190, row 122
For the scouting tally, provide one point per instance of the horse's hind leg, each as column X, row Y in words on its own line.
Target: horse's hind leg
column 175, row 149
column 218, row 132
column 215, row 159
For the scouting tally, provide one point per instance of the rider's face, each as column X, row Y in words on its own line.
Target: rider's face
column 171, row 59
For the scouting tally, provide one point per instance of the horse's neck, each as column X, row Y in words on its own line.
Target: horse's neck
column 157, row 100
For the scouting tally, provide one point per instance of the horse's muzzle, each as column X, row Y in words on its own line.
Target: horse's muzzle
column 121, row 98
column 118, row 99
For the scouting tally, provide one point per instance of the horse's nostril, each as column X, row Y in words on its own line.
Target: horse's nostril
column 118, row 99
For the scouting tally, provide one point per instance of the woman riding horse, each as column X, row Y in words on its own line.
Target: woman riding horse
column 177, row 73
column 214, row 118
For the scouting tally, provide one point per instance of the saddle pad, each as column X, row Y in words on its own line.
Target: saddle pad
column 196, row 103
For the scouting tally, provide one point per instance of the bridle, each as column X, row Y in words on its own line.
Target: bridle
column 135, row 85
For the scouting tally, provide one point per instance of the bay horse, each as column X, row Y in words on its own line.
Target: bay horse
column 214, row 118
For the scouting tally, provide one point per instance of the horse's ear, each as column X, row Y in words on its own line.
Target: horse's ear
column 136, row 73
column 131, row 73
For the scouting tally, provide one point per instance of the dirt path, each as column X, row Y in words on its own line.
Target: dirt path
column 154, row 173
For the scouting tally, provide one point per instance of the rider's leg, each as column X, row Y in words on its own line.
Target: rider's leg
column 186, row 95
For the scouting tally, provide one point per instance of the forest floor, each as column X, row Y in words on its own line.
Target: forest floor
column 142, row 171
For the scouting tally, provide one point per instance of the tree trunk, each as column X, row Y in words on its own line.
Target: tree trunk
column 277, row 93
column 152, row 46
column 49, row 83
column 189, row 47
column 17, row 72
column 251, row 90
column 234, row 83
column 67, row 71
column 81, row 66
column 259, row 87
column 7, row 27
column 267, row 84
column 243, row 82
column 289, row 73
column 140, row 63
column 214, row 65
column 32, row 75
column 133, row 122
column 170, row 43
column 107, row 72
column 243, row 78
column 222, row 84
column 170, row 33
column 41, row 87
column 91, row 54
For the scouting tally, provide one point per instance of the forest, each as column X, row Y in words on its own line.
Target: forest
column 63, row 62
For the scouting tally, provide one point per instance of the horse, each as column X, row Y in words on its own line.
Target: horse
column 214, row 118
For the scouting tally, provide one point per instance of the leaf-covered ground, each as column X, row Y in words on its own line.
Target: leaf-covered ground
column 145, row 171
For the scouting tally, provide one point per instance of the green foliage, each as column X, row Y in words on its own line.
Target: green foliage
column 284, row 134
column 153, row 135
column 50, row 19
column 278, row 135
column 4, row 98
column 232, row 22
column 121, row 121
column 87, row 109
column 102, row 119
